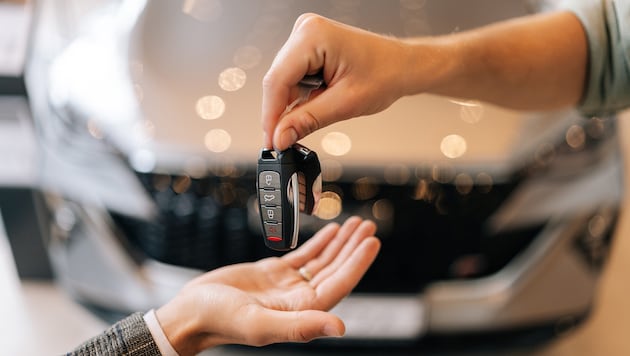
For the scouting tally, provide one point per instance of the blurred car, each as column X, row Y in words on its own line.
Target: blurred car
column 492, row 221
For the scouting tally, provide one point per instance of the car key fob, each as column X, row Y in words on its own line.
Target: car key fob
column 288, row 182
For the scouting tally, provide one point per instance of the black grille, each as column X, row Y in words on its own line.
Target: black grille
column 440, row 236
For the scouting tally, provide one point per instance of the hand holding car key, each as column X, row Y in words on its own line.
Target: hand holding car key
column 289, row 182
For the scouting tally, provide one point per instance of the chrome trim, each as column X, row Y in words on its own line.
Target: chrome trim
column 295, row 187
column 528, row 290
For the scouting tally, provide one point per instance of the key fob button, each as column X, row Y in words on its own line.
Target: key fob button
column 273, row 231
column 270, row 197
column 271, row 213
column 269, row 180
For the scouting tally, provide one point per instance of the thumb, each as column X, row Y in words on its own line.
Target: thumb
column 273, row 326
column 330, row 106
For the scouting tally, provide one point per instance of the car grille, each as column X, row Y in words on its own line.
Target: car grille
column 209, row 222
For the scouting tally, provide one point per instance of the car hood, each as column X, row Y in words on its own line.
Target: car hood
column 178, row 86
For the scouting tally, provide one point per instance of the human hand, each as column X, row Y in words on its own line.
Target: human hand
column 364, row 74
column 270, row 301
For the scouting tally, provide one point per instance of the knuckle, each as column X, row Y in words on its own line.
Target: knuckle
column 269, row 80
column 307, row 20
column 307, row 123
column 298, row 335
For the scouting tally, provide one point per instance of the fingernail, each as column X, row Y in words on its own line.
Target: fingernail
column 266, row 140
column 330, row 330
column 288, row 137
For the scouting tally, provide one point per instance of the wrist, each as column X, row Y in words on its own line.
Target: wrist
column 182, row 330
column 165, row 347
column 432, row 65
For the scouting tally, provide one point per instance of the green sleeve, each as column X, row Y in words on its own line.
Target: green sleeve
column 607, row 26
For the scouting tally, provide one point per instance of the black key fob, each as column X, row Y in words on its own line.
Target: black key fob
column 289, row 182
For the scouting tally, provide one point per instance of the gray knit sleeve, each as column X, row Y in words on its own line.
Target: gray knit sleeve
column 130, row 336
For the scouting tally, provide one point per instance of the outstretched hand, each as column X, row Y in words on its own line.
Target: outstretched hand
column 278, row 299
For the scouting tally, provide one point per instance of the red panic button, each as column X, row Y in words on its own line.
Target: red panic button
column 274, row 238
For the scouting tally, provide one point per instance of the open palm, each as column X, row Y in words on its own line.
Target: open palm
column 270, row 300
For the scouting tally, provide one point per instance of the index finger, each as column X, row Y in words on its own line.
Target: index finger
column 277, row 86
column 337, row 286
column 297, row 57
column 313, row 247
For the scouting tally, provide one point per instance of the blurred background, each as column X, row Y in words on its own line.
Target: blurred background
column 130, row 132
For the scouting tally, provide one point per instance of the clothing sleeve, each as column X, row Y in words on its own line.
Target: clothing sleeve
column 130, row 336
column 607, row 27
column 166, row 349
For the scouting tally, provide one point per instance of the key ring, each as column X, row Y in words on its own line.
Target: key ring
column 306, row 85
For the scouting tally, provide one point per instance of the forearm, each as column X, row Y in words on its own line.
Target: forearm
column 533, row 63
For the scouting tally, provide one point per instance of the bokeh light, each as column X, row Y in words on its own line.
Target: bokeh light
column 453, row 146
column 218, row 140
column 464, row 183
column 443, row 173
column 332, row 170
column 181, row 184
column 484, row 182
column 143, row 160
column 210, row 107
column 576, row 137
column 329, row 206
column 232, row 79
column 203, row 10
column 365, row 188
column 397, row 174
column 247, row 57
column 336, row 143
column 383, row 209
